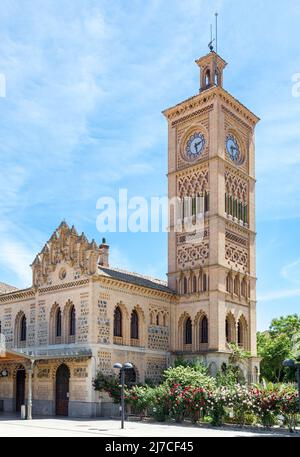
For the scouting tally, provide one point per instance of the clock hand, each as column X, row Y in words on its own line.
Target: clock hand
column 196, row 145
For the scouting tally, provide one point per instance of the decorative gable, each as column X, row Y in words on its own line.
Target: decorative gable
column 64, row 254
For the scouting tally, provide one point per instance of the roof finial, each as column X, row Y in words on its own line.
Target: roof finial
column 210, row 44
column 216, row 14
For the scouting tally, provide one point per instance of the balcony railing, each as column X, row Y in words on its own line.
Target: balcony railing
column 135, row 342
column 118, row 340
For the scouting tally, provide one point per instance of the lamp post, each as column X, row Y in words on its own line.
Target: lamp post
column 122, row 369
column 294, row 363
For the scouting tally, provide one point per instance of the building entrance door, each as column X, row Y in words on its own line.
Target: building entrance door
column 62, row 391
column 20, row 389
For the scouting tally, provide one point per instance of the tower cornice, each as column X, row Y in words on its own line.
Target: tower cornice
column 187, row 106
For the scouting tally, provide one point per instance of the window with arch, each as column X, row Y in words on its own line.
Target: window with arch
column 236, row 285
column 164, row 320
column 23, row 329
column 227, row 330
column 157, row 319
column 118, row 322
column 72, row 317
column 242, row 333
column 207, row 78
column 134, row 325
column 58, row 321
column 239, row 334
column 244, row 288
column 230, row 329
column 0, row 327
column 188, row 331
column 185, row 285
column 194, row 284
column 204, row 282
column 204, row 330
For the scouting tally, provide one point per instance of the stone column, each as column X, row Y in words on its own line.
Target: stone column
column 29, row 401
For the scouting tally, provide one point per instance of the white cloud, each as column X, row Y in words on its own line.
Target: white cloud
column 17, row 258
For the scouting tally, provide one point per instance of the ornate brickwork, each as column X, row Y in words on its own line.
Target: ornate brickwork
column 236, row 238
column 158, row 338
column 7, row 327
column 65, row 246
column 236, row 185
column 103, row 323
column 236, row 257
column 155, row 367
column 31, row 325
column 104, row 362
column 192, row 184
column 42, row 324
column 83, row 322
column 192, row 255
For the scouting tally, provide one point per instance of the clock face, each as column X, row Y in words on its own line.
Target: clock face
column 195, row 146
column 233, row 149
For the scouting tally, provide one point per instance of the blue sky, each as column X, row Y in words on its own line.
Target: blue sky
column 86, row 83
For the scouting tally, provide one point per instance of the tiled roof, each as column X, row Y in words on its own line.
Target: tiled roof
column 135, row 278
column 6, row 288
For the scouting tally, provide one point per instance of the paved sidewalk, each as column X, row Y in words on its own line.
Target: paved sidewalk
column 10, row 426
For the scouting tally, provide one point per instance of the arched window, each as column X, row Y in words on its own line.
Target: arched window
column 204, row 330
column 194, row 284
column 230, row 329
column 23, row 328
column 188, row 331
column 242, row 331
column 58, row 323
column 244, row 288
column 185, row 286
column 207, row 78
column 134, row 327
column 227, row 283
column 118, row 322
column 164, row 321
column 72, row 321
column 239, row 334
column 227, row 330
column 204, row 282
column 236, row 285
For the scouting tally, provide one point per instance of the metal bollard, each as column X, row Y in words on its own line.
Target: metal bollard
column 23, row 412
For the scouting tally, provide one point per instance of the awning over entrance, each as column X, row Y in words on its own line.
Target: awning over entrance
column 13, row 356
column 62, row 352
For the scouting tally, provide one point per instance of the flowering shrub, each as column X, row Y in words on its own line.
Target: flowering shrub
column 216, row 404
column 240, row 404
column 109, row 384
column 266, row 404
column 138, row 397
column 289, row 407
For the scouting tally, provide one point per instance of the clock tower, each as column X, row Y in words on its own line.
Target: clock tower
column 211, row 265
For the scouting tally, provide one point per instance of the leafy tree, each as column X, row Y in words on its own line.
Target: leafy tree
column 287, row 325
column 276, row 345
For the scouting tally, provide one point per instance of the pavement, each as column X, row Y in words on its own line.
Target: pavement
column 11, row 426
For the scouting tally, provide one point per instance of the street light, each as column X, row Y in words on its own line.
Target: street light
column 122, row 369
column 294, row 363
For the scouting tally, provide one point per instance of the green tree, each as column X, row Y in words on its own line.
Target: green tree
column 287, row 325
column 278, row 343
column 273, row 350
